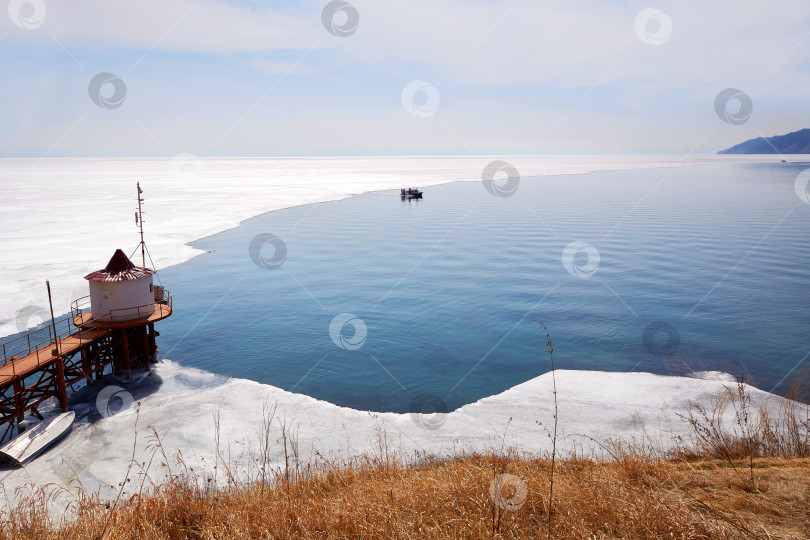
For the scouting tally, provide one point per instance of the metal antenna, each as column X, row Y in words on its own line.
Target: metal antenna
column 139, row 222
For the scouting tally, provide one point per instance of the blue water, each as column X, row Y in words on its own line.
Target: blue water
column 713, row 261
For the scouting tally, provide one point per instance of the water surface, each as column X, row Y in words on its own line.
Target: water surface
column 712, row 261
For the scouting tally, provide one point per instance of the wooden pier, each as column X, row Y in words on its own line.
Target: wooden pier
column 113, row 326
column 45, row 363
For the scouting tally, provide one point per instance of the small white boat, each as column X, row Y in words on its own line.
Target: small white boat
column 34, row 441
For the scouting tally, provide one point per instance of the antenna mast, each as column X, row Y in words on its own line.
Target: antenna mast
column 139, row 222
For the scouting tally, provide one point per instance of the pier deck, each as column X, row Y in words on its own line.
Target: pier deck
column 44, row 355
column 46, row 362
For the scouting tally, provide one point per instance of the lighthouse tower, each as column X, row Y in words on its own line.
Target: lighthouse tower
column 121, row 291
column 124, row 301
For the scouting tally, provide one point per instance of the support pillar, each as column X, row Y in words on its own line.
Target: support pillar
column 125, row 354
column 153, row 350
column 100, row 350
column 97, row 355
column 145, row 355
column 19, row 401
column 61, row 390
column 86, row 367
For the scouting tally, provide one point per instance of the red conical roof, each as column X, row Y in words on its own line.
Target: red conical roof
column 119, row 263
column 120, row 268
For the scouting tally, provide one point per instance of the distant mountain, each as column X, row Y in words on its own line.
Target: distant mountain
column 797, row 142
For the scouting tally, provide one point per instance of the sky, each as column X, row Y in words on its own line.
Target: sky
column 102, row 78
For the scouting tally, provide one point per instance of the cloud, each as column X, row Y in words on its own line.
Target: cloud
column 509, row 42
column 281, row 67
column 200, row 26
column 267, row 78
column 582, row 42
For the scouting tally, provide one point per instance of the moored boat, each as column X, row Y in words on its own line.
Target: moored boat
column 410, row 193
column 33, row 442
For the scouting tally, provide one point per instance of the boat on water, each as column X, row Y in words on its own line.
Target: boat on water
column 410, row 193
column 33, row 442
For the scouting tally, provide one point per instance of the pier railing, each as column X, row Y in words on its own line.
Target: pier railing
column 41, row 342
column 81, row 305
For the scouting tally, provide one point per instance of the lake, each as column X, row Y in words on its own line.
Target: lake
column 381, row 304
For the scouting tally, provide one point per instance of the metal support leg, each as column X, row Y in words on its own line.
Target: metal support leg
column 125, row 355
column 145, row 356
column 19, row 401
column 61, row 390
column 153, row 350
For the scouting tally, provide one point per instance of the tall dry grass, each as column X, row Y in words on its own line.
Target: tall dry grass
column 748, row 478
column 753, row 431
column 631, row 498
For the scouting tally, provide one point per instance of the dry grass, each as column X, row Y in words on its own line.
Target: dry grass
column 633, row 497
column 753, row 431
column 747, row 478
